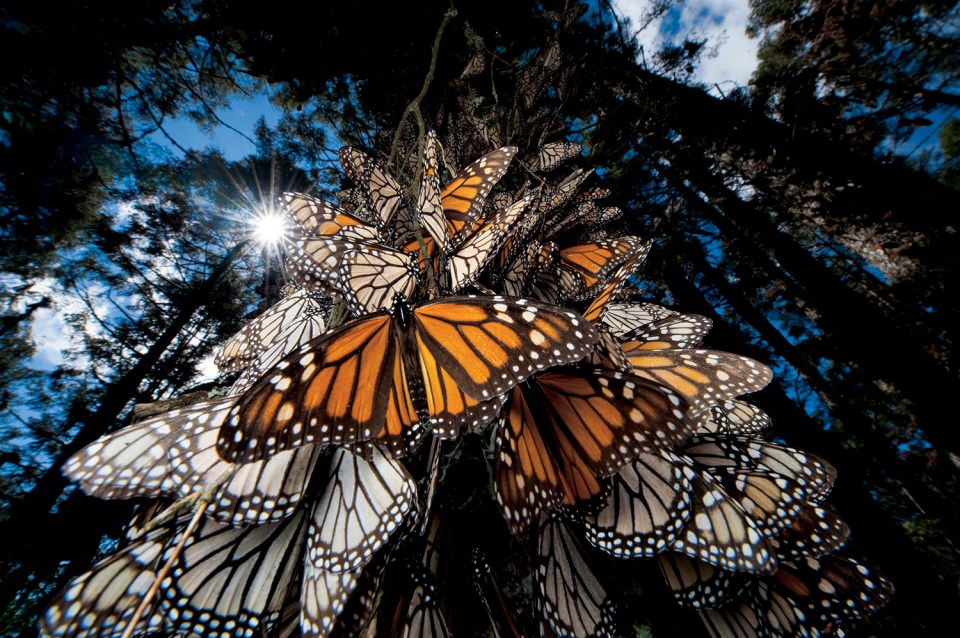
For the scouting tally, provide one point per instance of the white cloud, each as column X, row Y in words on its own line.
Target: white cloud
column 207, row 370
column 49, row 330
column 723, row 22
column 51, row 336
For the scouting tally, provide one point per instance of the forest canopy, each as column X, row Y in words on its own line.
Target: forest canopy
column 808, row 217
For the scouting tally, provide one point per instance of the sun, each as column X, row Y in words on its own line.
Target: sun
column 268, row 227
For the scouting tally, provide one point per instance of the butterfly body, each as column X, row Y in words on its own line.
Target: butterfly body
column 374, row 379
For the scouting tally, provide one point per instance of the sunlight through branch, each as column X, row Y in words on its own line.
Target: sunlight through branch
column 268, row 227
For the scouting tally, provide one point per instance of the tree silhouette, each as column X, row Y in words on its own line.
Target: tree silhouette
column 779, row 214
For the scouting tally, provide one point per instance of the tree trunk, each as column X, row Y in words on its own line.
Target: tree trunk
column 859, row 329
column 922, row 599
column 25, row 533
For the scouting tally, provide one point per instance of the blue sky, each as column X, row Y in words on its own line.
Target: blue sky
column 242, row 115
column 50, row 333
column 723, row 22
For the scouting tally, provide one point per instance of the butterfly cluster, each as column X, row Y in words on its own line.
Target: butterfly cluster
column 466, row 304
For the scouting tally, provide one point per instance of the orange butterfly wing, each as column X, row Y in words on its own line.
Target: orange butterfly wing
column 464, row 196
column 703, row 377
column 527, row 480
column 315, row 217
column 335, row 390
column 379, row 377
column 564, row 429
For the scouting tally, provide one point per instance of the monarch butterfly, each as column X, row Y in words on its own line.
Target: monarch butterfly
column 429, row 202
column 605, row 216
column 379, row 188
column 503, row 198
column 362, row 505
column 842, row 587
column 582, row 213
column 319, row 218
column 585, row 268
column 518, row 242
column 410, row 604
column 773, row 501
column 815, row 532
column 349, row 198
column 242, row 577
column 408, row 599
column 523, row 272
column 323, row 596
column 375, row 379
column 734, row 417
column 501, row 618
column 738, row 619
column 675, row 331
column 530, row 83
column 250, row 342
column 565, row 207
column 550, row 58
column 462, row 199
column 316, row 218
column 721, row 533
column 811, row 472
column 615, row 282
column 361, row 606
column 475, row 66
column 288, row 624
column 564, row 428
column 571, row 600
column 546, row 287
column 622, row 317
column 552, row 154
column 140, row 523
column 555, row 196
column 101, row 602
column 304, row 327
column 648, row 506
column 608, row 353
column 424, row 618
column 234, row 578
column 477, row 130
column 371, row 278
column 699, row 585
column 592, row 194
column 465, row 264
column 594, row 261
column 702, row 377
column 532, row 273
column 173, row 455
column 807, row 598
column 315, row 263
